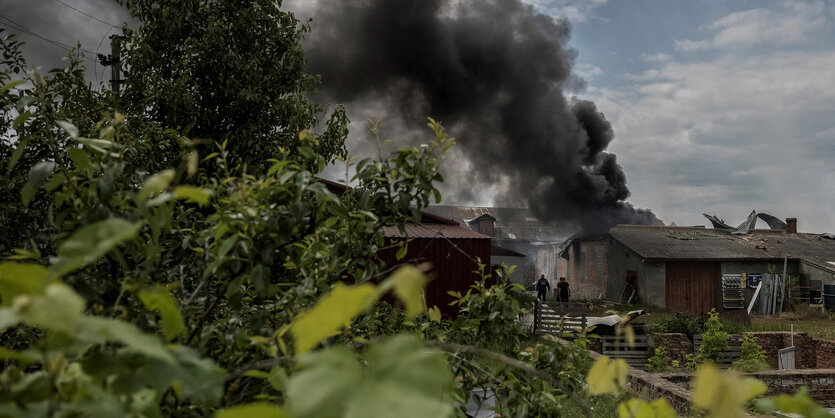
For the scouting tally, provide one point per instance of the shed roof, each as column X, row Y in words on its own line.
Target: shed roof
column 432, row 231
column 692, row 243
column 510, row 223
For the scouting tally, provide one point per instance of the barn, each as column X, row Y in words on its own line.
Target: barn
column 691, row 269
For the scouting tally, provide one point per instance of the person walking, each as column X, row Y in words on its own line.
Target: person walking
column 542, row 288
column 563, row 292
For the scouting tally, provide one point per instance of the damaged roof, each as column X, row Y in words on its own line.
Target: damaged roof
column 695, row 243
column 432, row 230
column 510, row 223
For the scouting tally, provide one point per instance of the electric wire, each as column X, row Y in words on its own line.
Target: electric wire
column 87, row 14
column 11, row 24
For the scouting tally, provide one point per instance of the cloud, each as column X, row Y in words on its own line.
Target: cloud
column 728, row 135
column 587, row 71
column 794, row 23
column 573, row 10
column 659, row 57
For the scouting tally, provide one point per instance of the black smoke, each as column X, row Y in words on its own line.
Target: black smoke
column 494, row 72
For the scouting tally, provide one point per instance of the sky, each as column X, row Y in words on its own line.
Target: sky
column 718, row 106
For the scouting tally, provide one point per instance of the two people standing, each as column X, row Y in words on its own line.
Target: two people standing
column 543, row 287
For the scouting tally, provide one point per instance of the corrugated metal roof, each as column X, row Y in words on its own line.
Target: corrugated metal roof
column 511, row 223
column 688, row 243
column 433, row 231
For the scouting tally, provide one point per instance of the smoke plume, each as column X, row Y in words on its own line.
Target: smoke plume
column 494, row 72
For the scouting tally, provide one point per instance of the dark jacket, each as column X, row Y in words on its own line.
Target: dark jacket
column 543, row 286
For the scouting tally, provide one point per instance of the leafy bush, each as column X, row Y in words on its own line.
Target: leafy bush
column 752, row 357
column 659, row 362
column 714, row 340
column 681, row 323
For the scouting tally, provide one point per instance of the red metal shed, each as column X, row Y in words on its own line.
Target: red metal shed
column 453, row 252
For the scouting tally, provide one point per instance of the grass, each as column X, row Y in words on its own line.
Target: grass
column 818, row 324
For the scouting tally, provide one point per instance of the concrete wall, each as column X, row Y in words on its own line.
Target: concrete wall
column 652, row 276
column 522, row 266
column 816, row 273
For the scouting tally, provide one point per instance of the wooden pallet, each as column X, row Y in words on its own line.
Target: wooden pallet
column 636, row 355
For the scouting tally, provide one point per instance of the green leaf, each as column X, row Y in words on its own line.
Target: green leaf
column 10, row 85
column 723, row 394
column 80, row 158
column 18, row 152
column 59, row 309
column 71, row 130
column 155, row 184
column 93, row 330
column 160, row 299
column 330, row 314
column 405, row 380
column 434, row 314
column 607, row 376
column 408, row 283
column 37, row 175
column 19, row 279
column 24, row 357
column 91, row 242
column 251, row 410
column 640, row 408
column 193, row 194
column 401, row 252
column 325, row 383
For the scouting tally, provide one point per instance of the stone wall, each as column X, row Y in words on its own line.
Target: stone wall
column 652, row 386
column 821, row 383
column 678, row 346
column 809, row 354
column 824, row 354
column 771, row 342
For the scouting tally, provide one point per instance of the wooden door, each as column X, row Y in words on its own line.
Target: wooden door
column 693, row 287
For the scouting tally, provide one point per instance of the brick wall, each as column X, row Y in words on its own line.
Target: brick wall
column 678, row 346
column 824, row 354
column 588, row 270
column 771, row 342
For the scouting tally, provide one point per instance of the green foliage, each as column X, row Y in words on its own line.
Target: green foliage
column 752, row 357
column 714, row 340
column 181, row 258
column 660, row 362
column 724, row 395
column 225, row 71
column 680, row 323
column 607, row 376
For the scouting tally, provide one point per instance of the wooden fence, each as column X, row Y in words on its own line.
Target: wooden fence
column 557, row 318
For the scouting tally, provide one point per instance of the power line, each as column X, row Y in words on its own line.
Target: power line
column 11, row 24
column 87, row 14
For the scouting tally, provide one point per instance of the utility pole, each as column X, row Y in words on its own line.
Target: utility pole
column 114, row 60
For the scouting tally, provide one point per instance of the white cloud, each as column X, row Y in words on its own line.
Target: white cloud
column 729, row 135
column 573, row 10
column 659, row 57
column 587, row 71
column 794, row 23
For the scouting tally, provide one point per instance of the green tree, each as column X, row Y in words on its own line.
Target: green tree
column 224, row 70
